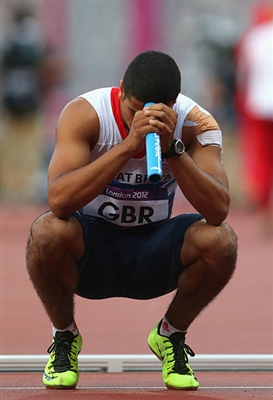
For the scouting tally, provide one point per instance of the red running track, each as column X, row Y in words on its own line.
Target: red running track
column 142, row 386
column 239, row 321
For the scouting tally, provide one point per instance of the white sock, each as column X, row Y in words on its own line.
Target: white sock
column 166, row 329
column 72, row 328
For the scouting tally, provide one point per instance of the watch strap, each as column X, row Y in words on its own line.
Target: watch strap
column 173, row 151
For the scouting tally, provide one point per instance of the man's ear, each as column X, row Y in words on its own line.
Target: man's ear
column 171, row 104
column 121, row 95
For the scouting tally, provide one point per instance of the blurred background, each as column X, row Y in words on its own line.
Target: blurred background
column 71, row 47
column 53, row 51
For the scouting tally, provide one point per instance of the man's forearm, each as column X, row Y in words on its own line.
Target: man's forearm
column 75, row 189
column 208, row 195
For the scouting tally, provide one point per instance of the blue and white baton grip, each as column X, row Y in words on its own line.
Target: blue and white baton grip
column 153, row 155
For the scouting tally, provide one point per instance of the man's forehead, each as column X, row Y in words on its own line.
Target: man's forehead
column 137, row 105
column 134, row 104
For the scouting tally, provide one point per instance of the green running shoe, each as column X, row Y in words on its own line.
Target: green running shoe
column 172, row 351
column 61, row 371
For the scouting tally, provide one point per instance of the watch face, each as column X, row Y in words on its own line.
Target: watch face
column 179, row 146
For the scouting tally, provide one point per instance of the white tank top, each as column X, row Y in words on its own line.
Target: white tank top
column 130, row 199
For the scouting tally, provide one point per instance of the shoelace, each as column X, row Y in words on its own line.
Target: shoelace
column 180, row 351
column 62, row 348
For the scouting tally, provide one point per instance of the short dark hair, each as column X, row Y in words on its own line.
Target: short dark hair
column 152, row 76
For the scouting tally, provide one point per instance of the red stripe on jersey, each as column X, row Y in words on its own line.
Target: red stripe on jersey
column 115, row 103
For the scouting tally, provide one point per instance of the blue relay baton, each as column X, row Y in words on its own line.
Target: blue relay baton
column 153, row 155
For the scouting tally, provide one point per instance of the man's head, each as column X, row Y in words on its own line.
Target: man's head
column 152, row 76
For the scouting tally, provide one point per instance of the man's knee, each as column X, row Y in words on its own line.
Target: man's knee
column 46, row 229
column 214, row 244
column 42, row 229
column 226, row 243
column 50, row 233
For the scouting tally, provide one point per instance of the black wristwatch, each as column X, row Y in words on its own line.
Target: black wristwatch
column 177, row 148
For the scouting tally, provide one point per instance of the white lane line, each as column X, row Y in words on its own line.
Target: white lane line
column 105, row 388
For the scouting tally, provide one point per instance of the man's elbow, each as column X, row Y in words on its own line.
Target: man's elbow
column 218, row 215
column 57, row 204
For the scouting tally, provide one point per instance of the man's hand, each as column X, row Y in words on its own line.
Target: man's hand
column 162, row 120
column 157, row 118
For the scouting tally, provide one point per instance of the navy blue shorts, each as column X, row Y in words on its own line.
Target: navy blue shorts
column 139, row 263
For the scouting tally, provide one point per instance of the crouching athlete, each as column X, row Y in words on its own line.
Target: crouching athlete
column 109, row 231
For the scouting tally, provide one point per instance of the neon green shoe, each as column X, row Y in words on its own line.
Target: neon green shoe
column 172, row 351
column 61, row 371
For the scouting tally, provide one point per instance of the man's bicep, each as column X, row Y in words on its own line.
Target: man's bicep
column 209, row 159
column 76, row 131
column 66, row 158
